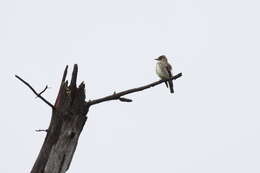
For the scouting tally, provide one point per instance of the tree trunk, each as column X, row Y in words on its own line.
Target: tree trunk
column 67, row 122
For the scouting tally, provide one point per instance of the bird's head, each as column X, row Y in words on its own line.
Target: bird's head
column 161, row 58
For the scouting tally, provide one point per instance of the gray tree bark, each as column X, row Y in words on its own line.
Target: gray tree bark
column 67, row 122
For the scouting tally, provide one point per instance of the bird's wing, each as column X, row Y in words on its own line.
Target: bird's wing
column 169, row 66
column 169, row 69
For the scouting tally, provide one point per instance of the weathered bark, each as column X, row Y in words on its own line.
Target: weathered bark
column 67, row 122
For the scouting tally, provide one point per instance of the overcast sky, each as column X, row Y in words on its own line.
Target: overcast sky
column 209, row 125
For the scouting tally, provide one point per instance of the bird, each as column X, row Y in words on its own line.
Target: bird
column 163, row 70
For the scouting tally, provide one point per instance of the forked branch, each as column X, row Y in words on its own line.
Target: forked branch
column 37, row 94
column 43, row 90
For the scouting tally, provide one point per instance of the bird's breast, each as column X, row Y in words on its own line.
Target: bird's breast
column 161, row 71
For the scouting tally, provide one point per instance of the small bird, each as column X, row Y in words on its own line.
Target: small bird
column 163, row 70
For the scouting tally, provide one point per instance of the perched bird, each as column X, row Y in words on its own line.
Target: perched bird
column 163, row 70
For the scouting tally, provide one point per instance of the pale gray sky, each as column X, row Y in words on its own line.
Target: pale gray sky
column 209, row 125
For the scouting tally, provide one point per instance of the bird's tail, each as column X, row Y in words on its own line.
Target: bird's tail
column 171, row 86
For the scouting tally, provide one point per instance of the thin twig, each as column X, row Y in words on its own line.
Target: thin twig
column 42, row 130
column 33, row 90
column 116, row 96
column 43, row 91
column 122, row 99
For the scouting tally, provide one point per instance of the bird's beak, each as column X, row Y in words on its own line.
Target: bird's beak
column 156, row 59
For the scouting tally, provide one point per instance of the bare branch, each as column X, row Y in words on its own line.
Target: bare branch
column 119, row 95
column 42, row 130
column 37, row 94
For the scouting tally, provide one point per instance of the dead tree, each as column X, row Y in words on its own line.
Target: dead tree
column 69, row 115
